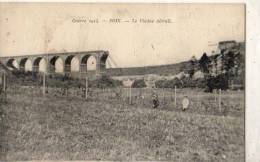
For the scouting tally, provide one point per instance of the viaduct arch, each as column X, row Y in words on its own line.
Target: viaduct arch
column 100, row 56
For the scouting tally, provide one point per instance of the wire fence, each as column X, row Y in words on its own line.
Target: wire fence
column 218, row 102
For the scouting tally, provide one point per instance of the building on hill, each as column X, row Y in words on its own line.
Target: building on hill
column 223, row 45
column 229, row 60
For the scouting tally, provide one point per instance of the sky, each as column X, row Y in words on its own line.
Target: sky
column 31, row 28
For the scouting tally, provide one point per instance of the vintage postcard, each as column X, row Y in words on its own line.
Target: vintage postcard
column 122, row 82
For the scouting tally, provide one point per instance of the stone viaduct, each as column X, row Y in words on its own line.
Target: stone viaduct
column 100, row 56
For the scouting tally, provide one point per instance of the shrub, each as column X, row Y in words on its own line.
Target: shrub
column 59, row 80
column 26, row 78
column 139, row 83
column 188, row 82
column 200, row 83
column 160, row 83
column 218, row 82
column 169, row 83
column 104, row 82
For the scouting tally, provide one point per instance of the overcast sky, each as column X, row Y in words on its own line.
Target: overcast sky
column 35, row 29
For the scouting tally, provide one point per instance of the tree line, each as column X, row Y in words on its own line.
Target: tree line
column 220, row 70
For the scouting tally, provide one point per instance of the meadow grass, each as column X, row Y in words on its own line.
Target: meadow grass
column 56, row 128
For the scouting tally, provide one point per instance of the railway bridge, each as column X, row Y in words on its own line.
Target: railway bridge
column 51, row 58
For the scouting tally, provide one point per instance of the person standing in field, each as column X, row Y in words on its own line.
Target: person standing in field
column 155, row 100
column 185, row 103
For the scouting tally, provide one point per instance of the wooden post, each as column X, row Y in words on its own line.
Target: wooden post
column 171, row 96
column 163, row 96
column 198, row 103
column 44, row 84
column 219, row 100
column 130, row 95
column 175, row 102
column 232, row 87
column 125, row 94
column 86, row 91
column 4, row 80
column 215, row 95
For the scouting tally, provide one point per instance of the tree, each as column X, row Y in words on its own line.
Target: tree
column 192, row 66
column 204, row 63
column 217, row 82
column 229, row 63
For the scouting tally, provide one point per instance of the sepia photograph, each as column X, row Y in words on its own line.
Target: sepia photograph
column 122, row 81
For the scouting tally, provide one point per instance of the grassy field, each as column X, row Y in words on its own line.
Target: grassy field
column 52, row 128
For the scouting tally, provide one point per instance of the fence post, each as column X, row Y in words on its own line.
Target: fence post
column 44, row 83
column 125, row 92
column 175, row 102
column 219, row 100
column 163, row 96
column 232, row 89
column 198, row 103
column 86, row 91
column 4, row 79
column 130, row 95
column 215, row 95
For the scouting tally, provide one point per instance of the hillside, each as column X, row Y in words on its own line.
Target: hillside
column 217, row 65
column 171, row 69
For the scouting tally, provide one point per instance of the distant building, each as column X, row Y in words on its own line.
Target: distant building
column 223, row 45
